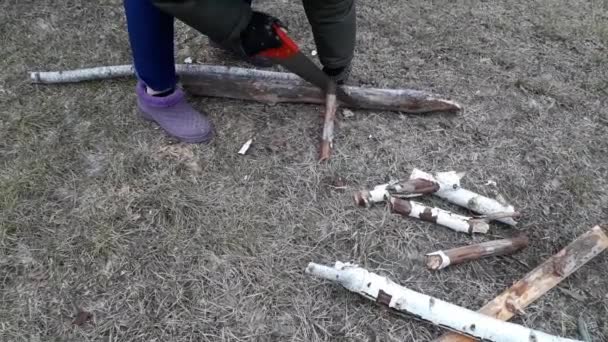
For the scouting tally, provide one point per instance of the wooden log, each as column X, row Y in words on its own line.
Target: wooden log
column 403, row 189
column 441, row 217
column 442, row 259
column 451, row 191
column 264, row 86
column 540, row 280
column 405, row 301
column 327, row 139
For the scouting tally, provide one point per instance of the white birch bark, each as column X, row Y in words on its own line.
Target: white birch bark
column 455, row 222
column 402, row 189
column 450, row 190
column 245, row 147
column 386, row 292
column 264, row 86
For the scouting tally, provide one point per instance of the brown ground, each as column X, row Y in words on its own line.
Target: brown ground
column 170, row 242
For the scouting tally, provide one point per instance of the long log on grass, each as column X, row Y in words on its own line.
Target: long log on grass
column 444, row 258
column 403, row 300
column 540, row 280
column 264, row 86
column 451, row 191
column 402, row 189
column 327, row 138
column 455, row 222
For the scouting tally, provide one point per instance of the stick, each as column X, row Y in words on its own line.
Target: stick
column 441, row 259
column 582, row 329
column 441, row 217
column 403, row 188
column 245, row 147
column 264, row 86
column 403, row 300
column 542, row 279
column 331, row 105
column 450, row 190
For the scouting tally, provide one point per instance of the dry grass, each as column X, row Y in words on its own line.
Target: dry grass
column 169, row 242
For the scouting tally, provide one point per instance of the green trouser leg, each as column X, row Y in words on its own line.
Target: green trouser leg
column 334, row 28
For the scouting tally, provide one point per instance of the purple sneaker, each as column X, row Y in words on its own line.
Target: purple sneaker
column 176, row 116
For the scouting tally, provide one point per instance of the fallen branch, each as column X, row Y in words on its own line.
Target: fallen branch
column 540, row 280
column 450, row 190
column 403, row 300
column 441, row 259
column 403, row 189
column 264, row 86
column 441, row 217
column 331, row 105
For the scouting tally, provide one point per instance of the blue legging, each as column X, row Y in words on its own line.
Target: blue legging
column 151, row 38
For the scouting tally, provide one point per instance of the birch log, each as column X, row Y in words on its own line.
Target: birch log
column 397, row 297
column 441, row 217
column 540, row 280
column 264, row 86
column 450, row 190
column 327, row 140
column 442, row 259
column 404, row 189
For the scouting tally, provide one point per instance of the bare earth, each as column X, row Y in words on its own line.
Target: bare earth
column 169, row 242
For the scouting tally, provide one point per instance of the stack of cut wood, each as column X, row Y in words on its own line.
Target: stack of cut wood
column 489, row 323
column 446, row 185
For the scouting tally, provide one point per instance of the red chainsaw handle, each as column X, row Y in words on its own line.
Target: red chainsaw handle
column 287, row 49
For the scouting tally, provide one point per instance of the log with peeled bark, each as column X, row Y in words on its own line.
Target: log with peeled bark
column 441, row 217
column 451, row 191
column 403, row 189
column 405, row 301
column 327, row 138
column 444, row 258
column 540, row 280
column 264, row 86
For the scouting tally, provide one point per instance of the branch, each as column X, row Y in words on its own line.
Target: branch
column 331, row 105
column 403, row 300
column 404, row 188
column 441, row 259
column 450, row 190
column 264, row 86
column 441, row 217
column 540, row 280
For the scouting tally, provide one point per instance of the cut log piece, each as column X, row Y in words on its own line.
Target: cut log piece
column 403, row 189
column 450, row 190
column 327, row 139
column 265, row 86
column 441, row 217
column 442, row 259
column 540, row 280
column 403, row 300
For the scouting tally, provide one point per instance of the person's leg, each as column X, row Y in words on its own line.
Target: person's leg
column 151, row 37
column 158, row 97
column 334, row 28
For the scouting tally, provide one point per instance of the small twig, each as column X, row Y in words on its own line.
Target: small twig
column 443, row 258
column 331, row 105
column 500, row 215
column 582, row 329
column 245, row 147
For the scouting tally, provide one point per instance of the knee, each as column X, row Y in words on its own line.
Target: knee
column 330, row 7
